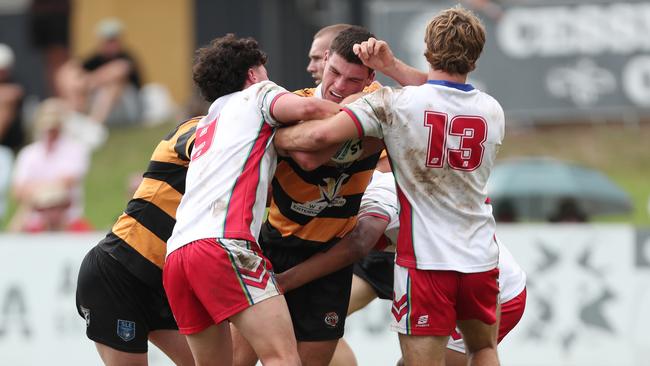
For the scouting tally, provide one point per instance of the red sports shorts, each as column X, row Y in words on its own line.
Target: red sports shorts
column 209, row 280
column 511, row 312
column 429, row 302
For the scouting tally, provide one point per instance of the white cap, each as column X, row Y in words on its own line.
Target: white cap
column 6, row 57
column 109, row 28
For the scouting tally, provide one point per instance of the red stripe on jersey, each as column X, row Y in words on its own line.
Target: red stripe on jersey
column 374, row 214
column 275, row 99
column 355, row 119
column 405, row 251
column 240, row 208
column 488, row 201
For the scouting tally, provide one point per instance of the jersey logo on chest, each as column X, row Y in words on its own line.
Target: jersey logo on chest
column 329, row 197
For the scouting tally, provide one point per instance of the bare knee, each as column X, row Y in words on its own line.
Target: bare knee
column 291, row 359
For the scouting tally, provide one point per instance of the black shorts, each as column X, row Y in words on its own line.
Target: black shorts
column 120, row 310
column 377, row 269
column 318, row 309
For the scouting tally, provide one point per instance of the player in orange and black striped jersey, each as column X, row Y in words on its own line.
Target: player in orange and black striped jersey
column 119, row 290
column 311, row 210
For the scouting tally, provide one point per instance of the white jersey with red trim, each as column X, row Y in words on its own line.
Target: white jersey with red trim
column 442, row 139
column 232, row 163
column 380, row 200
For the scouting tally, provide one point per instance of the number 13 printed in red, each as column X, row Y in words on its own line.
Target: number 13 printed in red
column 472, row 133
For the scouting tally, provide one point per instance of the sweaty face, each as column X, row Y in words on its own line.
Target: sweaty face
column 342, row 78
column 317, row 58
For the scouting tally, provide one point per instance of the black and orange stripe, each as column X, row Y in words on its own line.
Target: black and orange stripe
column 292, row 188
column 138, row 239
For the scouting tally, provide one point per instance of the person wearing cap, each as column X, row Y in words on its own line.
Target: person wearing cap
column 11, row 96
column 113, row 66
column 106, row 85
column 48, row 174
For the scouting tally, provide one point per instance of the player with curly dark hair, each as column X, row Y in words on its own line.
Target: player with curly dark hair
column 215, row 272
column 221, row 68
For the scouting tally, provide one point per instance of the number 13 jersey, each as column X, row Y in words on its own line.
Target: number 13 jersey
column 442, row 139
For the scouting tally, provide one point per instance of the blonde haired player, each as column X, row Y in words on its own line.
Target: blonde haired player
column 319, row 47
column 441, row 163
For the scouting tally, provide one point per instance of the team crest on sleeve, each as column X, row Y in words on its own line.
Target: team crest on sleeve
column 125, row 329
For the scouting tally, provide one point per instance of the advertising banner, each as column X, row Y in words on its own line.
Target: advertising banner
column 545, row 60
column 588, row 300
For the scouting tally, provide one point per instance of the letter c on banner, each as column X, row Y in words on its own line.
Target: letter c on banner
column 636, row 80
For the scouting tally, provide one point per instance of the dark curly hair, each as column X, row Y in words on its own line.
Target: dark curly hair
column 221, row 68
column 342, row 44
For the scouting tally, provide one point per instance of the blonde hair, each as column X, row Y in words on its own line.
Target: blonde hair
column 454, row 39
column 50, row 114
column 331, row 30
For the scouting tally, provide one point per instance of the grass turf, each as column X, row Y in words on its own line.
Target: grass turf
column 620, row 152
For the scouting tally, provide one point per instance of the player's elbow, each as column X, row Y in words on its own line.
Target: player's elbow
column 306, row 162
column 358, row 248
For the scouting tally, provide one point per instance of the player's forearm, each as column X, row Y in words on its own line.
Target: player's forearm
column 316, row 108
column 311, row 160
column 354, row 246
column 298, row 138
column 290, row 108
column 404, row 74
column 315, row 267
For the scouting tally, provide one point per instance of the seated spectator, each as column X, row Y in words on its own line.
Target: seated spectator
column 568, row 210
column 49, row 174
column 11, row 97
column 105, row 86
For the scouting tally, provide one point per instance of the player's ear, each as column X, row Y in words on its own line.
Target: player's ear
column 251, row 76
column 326, row 56
column 371, row 77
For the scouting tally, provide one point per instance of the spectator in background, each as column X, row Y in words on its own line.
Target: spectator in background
column 48, row 176
column 505, row 211
column 11, row 97
column 568, row 210
column 50, row 33
column 105, row 86
column 319, row 47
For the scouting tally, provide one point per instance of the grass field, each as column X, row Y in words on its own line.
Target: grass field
column 620, row 152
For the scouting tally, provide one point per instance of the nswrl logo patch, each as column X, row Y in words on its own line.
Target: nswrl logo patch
column 125, row 329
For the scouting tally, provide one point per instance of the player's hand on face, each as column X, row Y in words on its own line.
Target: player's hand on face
column 375, row 54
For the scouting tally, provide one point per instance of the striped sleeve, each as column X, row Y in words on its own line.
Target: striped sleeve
column 371, row 112
column 380, row 199
column 269, row 93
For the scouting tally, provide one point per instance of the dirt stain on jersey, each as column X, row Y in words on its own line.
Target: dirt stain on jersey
column 378, row 101
column 219, row 206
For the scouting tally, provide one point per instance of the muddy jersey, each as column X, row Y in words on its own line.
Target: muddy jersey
column 230, row 169
column 442, row 139
column 380, row 200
